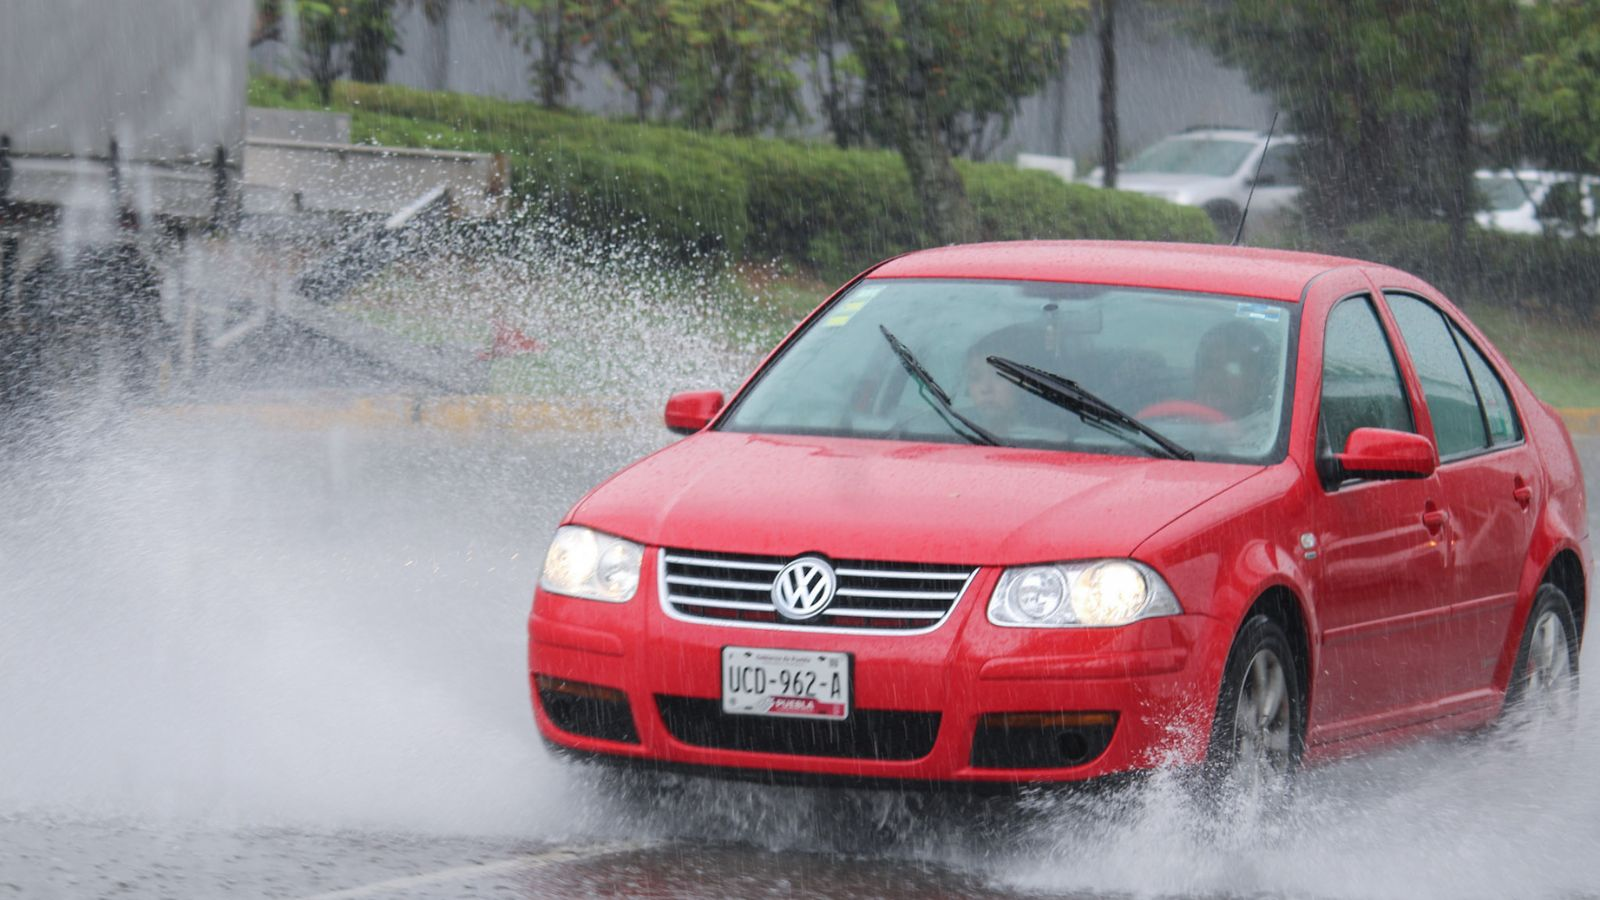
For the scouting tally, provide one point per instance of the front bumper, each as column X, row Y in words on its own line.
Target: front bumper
column 925, row 707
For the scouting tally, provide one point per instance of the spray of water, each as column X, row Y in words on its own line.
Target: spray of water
column 219, row 617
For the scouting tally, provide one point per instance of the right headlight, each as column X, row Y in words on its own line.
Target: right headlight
column 592, row 565
column 1097, row 593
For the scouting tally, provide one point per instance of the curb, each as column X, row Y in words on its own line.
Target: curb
column 1581, row 419
column 506, row 413
column 456, row 413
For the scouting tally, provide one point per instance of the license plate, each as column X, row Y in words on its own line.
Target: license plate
column 796, row 684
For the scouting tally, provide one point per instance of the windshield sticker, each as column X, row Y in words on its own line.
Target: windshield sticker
column 855, row 304
column 1258, row 311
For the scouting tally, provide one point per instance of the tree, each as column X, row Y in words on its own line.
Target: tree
column 737, row 71
column 937, row 75
column 1383, row 94
column 1549, row 104
column 630, row 37
column 552, row 31
column 1110, row 151
column 836, row 77
column 323, row 29
column 372, row 36
column 726, row 65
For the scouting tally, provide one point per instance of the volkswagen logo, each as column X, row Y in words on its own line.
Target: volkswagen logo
column 804, row 588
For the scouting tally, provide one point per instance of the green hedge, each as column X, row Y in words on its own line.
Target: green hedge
column 1493, row 268
column 755, row 198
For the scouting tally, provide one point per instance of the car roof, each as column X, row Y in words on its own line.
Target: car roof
column 1206, row 268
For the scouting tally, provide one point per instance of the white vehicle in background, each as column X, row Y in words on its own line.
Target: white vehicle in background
column 1213, row 168
column 1537, row 201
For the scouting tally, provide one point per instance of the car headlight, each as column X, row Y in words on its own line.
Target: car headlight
column 1090, row 594
column 585, row 563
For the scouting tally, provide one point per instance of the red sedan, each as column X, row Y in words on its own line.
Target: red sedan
column 1051, row 511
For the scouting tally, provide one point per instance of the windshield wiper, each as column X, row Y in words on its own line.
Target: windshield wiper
column 935, row 395
column 1070, row 395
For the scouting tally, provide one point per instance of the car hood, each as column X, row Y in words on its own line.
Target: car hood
column 897, row 501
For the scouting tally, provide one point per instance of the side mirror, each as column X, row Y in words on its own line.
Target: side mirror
column 692, row 410
column 1266, row 179
column 1380, row 453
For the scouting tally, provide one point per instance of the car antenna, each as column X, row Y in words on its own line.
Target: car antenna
column 1251, row 196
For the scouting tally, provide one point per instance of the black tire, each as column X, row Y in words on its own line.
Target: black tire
column 1225, row 216
column 1261, row 655
column 1544, row 680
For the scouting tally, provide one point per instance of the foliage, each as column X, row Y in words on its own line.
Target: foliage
column 713, row 64
column 323, row 29
column 979, row 58
column 828, row 209
column 738, row 70
column 935, row 71
column 1552, row 98
column 552, row 31
column 1376, row 89
column 372, row 36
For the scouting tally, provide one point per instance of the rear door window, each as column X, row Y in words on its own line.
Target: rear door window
column 1458, row 420
column 1499, row 414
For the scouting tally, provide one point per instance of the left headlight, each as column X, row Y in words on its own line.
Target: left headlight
column 595, row 566
column 1089, row 594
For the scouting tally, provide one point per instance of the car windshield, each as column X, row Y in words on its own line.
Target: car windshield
column 1191, row 156
column 1204, row 371
column 1502, row 192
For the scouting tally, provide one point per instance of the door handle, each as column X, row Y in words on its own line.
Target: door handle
column 1522, row 492
column 1433, row 518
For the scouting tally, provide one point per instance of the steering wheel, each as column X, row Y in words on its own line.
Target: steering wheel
column 1185, row 409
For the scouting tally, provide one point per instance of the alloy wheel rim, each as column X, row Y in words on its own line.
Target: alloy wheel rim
column 1262, row 717
column 1549, row 679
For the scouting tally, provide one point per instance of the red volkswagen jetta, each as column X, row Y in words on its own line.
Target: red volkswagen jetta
column 1050, row 511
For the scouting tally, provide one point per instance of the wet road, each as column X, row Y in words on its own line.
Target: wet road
column 242, row 659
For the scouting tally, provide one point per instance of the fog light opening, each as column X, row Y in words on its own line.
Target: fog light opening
column 1074, row 748
column 587, row 710
column 1041, row 740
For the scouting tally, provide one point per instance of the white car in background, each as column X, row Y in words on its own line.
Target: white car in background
column 1532, row 201
column 1213, row 168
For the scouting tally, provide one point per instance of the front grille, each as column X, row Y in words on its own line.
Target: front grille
column 867, row 734
column 875, row 596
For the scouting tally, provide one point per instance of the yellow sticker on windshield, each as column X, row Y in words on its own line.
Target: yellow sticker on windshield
column 851, row 305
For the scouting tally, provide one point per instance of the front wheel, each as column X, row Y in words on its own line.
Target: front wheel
column 1259, row 730
column 1544, row 681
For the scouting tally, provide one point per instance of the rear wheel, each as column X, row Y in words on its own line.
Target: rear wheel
column 1259, row 729
column 1544, row 681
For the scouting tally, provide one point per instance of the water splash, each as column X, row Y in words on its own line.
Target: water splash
column 238, row 621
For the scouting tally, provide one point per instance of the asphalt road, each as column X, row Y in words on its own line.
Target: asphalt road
column 245, row 660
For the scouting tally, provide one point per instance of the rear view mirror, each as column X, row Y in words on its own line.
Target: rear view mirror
column 1379, row 453
column 691, row 411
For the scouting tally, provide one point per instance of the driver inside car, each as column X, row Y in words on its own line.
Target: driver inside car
column 1233, row 368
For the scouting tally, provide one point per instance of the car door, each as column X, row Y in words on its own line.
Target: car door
column 1381, row 573
column 1487, row 472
